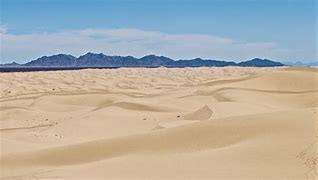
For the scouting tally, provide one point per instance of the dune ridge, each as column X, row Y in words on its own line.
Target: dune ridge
column 200, row 136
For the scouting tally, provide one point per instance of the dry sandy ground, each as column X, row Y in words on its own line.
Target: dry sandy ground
column 186, row 123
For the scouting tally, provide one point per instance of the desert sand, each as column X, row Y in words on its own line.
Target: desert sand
column 160, row 123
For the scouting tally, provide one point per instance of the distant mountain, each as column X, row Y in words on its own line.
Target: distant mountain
column 200, row 62
column 153, row 60
column 91, row 59
column 55, row 60
column 13, row 64
column 102, row 60
column 257, row 62
column 301, row 63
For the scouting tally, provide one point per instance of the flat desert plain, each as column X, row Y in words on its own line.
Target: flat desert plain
column 160, row 123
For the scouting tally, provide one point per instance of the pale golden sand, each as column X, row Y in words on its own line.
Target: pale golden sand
column 186, row 123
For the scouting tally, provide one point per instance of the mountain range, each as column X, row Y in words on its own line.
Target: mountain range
column 313, row 63
column 102, row 60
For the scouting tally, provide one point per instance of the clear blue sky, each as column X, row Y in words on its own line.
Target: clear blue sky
column 289, row 24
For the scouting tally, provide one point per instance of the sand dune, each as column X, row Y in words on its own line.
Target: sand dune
column 188, row 123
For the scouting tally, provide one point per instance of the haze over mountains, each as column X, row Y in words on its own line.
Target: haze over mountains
column 298, row 63
column 102, row 60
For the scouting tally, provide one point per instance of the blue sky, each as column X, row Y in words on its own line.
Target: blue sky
column 228, row 29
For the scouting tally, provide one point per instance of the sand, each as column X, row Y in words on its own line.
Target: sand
column 160, row 123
